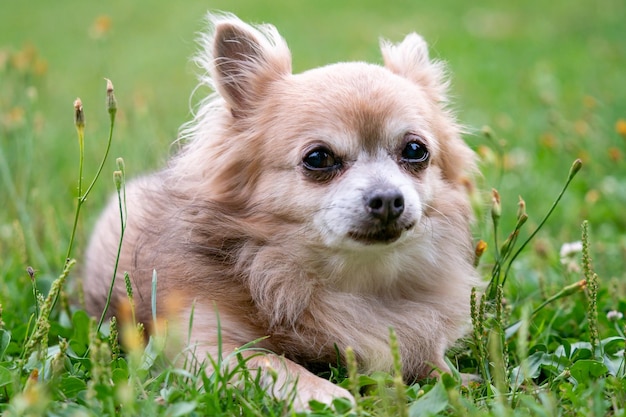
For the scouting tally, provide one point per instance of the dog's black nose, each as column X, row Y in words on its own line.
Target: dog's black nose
column 385, row 205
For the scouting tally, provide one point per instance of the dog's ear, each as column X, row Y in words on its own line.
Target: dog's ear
column 410, row 60
column 245, row 61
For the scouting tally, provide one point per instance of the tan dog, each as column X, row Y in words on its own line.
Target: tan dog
column 317, row 209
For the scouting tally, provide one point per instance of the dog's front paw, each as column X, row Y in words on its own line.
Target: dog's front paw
column 287, row 380
column 467, row 380
column 313, row 388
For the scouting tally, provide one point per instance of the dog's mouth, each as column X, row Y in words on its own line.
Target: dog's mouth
column 380, row 235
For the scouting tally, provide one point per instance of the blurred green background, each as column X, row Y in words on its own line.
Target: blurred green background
column 548, row 77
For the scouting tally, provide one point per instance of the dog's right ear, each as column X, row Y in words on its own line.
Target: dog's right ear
column 245, row 61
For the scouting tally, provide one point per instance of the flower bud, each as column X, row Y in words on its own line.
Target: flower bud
column 508, row 243
column 111, row 101
column 576, row 166
column 496, row 208
column 487, row 132
column 79, row 115
column 481, row 247
column 120, row 165
column 521, row 208
column 117, row 179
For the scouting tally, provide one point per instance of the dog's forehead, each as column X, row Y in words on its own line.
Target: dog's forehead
column 367, row 101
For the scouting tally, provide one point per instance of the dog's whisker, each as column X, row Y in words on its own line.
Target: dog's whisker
column 442, row 214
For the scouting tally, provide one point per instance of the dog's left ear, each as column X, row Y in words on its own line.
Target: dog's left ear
column 410, row 60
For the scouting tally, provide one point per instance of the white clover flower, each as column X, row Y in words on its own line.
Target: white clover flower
column 614, row 315
column 570, row 249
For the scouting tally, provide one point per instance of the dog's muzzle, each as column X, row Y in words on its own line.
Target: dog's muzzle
column 383, row 217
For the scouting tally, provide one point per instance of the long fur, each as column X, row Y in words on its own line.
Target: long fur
column 235, row 227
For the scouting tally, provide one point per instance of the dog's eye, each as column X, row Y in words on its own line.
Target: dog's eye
column 415, row 152
column 321, row 159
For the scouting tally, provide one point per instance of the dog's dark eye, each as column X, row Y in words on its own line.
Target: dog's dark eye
column 415, row 152
column 320, row 159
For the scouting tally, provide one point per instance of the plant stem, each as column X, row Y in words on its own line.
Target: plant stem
column 566, row 291
column 121, row 189
column 572, row 173
column 81, row 157
column 83, row 197
column 104, row 158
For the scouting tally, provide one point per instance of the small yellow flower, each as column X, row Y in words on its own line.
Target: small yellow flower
column 589, row 102
column 581, row 127
column 23, row 60
column 548, row 140
column 40, row 66
column 481, row 247
column 615, row 154
column 486, row 154
column 100, row 27
column 592, row 196
column 14, row 118
column 620, row 127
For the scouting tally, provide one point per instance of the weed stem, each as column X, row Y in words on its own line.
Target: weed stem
column 572, row 173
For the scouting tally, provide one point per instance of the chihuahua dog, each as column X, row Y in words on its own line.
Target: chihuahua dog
column 309, row 212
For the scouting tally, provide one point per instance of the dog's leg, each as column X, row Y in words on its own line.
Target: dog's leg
column 285, row 378
column 281, row 377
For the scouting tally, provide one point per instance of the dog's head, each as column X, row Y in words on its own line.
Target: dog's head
column 349, row 156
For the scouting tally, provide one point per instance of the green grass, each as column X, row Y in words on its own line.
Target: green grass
column 546, row 77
